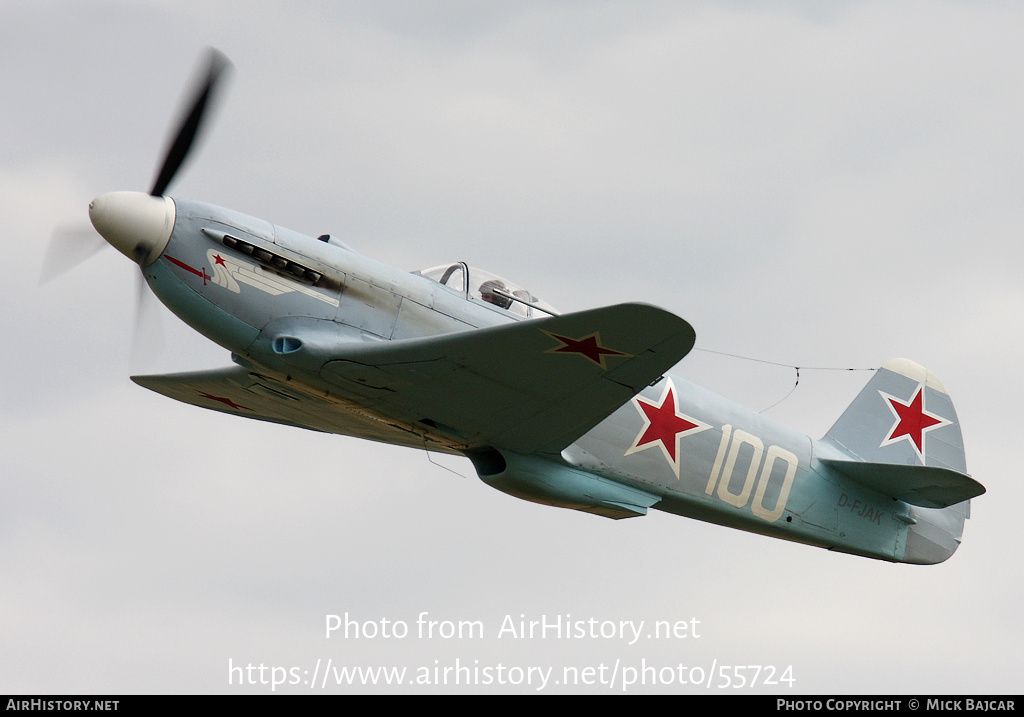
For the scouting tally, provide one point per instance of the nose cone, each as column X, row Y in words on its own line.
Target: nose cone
column 136, row 224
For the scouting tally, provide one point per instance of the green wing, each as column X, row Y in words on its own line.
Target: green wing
column 528, row 386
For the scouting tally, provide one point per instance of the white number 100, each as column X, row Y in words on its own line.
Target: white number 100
column 728, row 452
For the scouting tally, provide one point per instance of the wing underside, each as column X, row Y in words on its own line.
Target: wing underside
column 242, row 392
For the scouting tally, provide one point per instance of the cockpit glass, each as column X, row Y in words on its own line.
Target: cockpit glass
column 451, row 275
column 488, row 288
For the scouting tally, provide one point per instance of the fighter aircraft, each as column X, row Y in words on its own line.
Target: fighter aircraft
column 573, row 410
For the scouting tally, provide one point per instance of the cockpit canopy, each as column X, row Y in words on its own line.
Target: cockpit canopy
column 479, row 285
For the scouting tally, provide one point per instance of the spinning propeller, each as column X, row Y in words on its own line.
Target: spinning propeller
column 136, row 224
column 217, row 64
column 139, row 225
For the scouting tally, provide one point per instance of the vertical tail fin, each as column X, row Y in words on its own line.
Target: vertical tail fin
column 903, row 416
column 901, row 437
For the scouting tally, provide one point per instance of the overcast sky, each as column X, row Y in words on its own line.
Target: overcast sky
column 815, row 184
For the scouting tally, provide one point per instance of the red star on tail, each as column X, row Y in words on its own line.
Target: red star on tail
column 912, row 421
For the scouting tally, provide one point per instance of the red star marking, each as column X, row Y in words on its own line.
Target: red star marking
column 912, row 421
column 589, row 347
column 224, row 400
column 664, row 425
column 218, row 259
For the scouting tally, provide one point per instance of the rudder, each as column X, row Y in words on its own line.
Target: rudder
column 901, row 437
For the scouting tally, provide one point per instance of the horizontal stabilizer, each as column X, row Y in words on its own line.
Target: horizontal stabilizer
column 925, row 486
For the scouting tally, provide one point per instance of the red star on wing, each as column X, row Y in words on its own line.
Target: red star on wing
column 664, row 425
column 218, row 259
column 589, row 347
column 222, row 399
column 912, row 421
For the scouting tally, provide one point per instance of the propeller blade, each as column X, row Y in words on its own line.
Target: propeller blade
column 217, row 64
column 69, row 247
column 148, row 339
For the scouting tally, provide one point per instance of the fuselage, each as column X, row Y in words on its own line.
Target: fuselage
column 260, row 291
